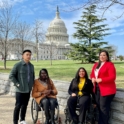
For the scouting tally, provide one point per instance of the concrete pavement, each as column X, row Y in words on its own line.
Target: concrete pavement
column 6, row 110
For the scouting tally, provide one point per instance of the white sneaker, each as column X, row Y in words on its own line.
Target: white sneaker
column 22, row 122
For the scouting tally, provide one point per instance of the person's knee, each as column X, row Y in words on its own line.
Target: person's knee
column 84, row 104
column 104, row 108
column 44, row 101
column 72, row 101
column 18, row 106
column 53, row 103
column 24, row 106
column 105, row 105
column 45, row 104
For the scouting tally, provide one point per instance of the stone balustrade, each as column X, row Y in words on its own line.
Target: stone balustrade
column 117, row 107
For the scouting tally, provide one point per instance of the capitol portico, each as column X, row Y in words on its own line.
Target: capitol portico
column 55, row 46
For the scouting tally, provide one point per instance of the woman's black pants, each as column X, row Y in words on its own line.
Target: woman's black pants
column 84, row 103
column 49, row 105
column 103, row 103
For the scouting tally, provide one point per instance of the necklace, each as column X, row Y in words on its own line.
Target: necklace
column 43, row 82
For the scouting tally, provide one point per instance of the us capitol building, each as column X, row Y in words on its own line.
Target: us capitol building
column 55, row 45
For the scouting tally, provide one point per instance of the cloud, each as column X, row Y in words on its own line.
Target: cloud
column 24, row 10
column 4, row 3
column 114, row 25
column 112, row 15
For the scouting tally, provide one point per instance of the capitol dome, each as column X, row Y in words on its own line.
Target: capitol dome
column 57, row 32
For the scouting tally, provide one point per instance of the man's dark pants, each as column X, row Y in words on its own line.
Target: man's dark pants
column 20, row 106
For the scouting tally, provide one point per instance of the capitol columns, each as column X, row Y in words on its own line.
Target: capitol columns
column 57, row 51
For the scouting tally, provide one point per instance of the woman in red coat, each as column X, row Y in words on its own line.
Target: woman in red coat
column 103, row 77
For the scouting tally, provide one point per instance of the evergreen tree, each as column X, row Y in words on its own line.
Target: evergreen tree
column 90, row 33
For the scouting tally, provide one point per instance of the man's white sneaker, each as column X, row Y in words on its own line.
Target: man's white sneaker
column 22, row 122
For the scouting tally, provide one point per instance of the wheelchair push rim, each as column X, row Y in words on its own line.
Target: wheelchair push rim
column 34, row 112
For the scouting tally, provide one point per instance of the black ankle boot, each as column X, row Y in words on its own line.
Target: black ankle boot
column 52, row 113
column 74, row 122
column 47, row 115
column 52, row 122
column 80, row 123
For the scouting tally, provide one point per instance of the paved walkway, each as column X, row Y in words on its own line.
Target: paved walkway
column 6, row 110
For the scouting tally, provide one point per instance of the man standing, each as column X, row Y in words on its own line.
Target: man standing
column 22, row 75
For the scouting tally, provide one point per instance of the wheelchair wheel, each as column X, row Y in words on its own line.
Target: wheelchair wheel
column 34, row 111
column 56, row 117
column 67, row 117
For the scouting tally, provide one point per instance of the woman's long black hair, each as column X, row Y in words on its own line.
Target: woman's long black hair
column 48, row 78
column 107, row 54
column 77, row 78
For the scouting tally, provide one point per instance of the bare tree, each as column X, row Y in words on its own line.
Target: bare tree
column 103, row 5
column 38, row 34
column 7, row 22
column 52, row 48
column 22, row 34
column 1, row 48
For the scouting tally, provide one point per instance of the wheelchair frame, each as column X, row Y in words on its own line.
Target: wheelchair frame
column 36, row 108
column 68, row 119
column 87, row 116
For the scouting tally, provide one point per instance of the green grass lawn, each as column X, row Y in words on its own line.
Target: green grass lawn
column 65, row 69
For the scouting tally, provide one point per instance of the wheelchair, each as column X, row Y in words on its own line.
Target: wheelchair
column 91, row 116
column 35, row 109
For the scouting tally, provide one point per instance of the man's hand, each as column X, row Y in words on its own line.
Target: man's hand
column 73, row 94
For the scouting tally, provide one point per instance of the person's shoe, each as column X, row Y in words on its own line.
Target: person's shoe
column 46, row 122
column 52, row 122
column 15, row 122
column 22, row 122
column 73, row 123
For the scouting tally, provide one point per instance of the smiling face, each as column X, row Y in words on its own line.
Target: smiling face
column 81, row 73
column 26, row 56
column 103, row 57
column 43, row 75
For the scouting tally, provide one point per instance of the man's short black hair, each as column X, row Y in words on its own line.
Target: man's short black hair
column 26, row 51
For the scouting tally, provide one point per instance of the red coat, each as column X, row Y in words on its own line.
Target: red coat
column 108, row 75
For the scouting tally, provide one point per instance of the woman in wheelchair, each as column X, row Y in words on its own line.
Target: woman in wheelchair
column 45, row 93
column 80, row 91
